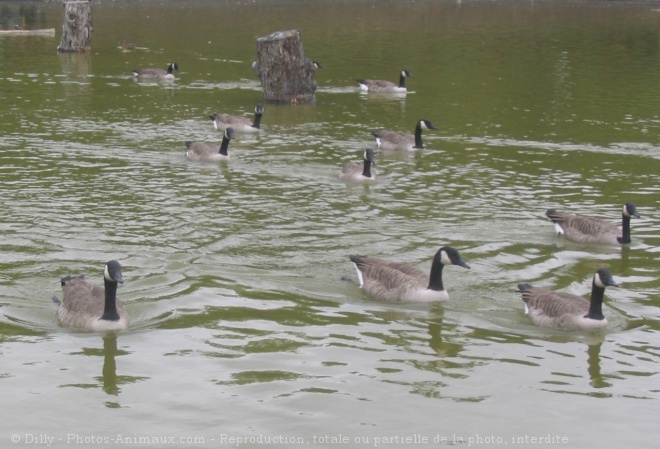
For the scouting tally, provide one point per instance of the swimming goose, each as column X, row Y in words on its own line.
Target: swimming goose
column 395, row 281
column 360, row 171
column 549, row 308
column 399, row 140
column 157, row 73
column 91, row 307
column 240, row 124
column 126, row 45
column 593, row 230
column 199, row 151
column 385, row 86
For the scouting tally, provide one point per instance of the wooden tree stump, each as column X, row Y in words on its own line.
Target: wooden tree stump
column 77, row 28
column 286, row 74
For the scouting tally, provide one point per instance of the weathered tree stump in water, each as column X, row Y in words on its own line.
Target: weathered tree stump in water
column 286, row 75
column 77, row 28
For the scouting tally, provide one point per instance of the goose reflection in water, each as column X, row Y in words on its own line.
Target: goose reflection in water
column 109, row 381
column 593, row 360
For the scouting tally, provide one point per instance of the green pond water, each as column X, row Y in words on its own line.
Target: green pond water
column 247, row 328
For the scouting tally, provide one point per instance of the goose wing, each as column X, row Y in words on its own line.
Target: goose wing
column 389, row 284
column 352, row 170
column 390, row 140
column 230, row 120
column 78, row 289
column 386, row 134
column 390, row 275
column 401, row 267
column 80, row 301
column 582, row 224
column 591, row 226
column 149, row 73
column 198, row 150
column 554, row 304
column 380, row 84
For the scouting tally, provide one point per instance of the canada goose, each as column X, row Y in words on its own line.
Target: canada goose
column 240, row 124
column 549, row 308
column 157, row 73
column 91, row 307
column 199, row 151
column 593, row 230
column 360, row 171
column 395, row 281
column 399, row 140
column 126, row 45
column 385, row 86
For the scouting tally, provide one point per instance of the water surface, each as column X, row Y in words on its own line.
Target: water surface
column 243, row 323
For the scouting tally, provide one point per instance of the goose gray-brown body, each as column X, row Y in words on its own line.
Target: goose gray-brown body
column 200, row 151
column 385, row 86
column 398, row 140
column 549, row 308
column 240, row 124
column 400, row 282
column 579, row 228
column 158, row 74
column 360, row 171
column 87, row 306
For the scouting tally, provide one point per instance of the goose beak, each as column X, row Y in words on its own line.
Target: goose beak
column 612, row 284
column 462, row 264
column 119, row 278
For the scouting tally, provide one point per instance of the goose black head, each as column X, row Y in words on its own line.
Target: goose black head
column 603, row 278
column 113, row 272
column 629, row 210
column 450, row 256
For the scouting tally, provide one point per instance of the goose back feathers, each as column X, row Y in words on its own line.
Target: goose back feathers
column 240, row 124
column 157, row 73
column 87, row 306
column 200, row 151
column 549, row 308
column 360, row 171
column 368, row 85
column 583, row 229
column 400, row 282
column 398, row 140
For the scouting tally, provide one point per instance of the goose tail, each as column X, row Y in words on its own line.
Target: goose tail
column 556, row 218
column 522, row 288
column 553, row 215
column 357, row 260
column 66, row 279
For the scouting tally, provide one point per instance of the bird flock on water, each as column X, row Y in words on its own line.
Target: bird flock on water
column 88, row 306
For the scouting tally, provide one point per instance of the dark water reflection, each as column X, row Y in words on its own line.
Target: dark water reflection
column 235, row 272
